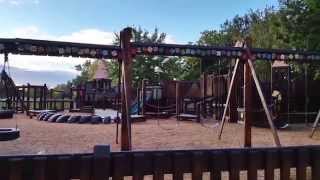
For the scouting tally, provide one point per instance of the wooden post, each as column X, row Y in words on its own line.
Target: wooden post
column 204, row 94
column 126, row 65
column 315, row 124
column 247, row 94
column 23, row 96
column 143, row 94
column 45, row 96
column 41, row 97
column 138, row 100
column 233, row 100
column 178, row 100
column 28, row 98
column 34, row 97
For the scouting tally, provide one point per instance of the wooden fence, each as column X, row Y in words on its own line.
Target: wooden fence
column 103, row 163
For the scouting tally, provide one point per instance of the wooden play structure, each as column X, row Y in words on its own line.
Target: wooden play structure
column 128, row 50
column 97, row 92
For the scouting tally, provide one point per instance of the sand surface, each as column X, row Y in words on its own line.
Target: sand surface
column 39, row 137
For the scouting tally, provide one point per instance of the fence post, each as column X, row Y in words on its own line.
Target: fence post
column 101, row 164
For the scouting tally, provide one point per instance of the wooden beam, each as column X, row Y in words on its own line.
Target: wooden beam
column 178, row 100
column 231, row 88
column 143, row 88
column 315, row 124
column 126, row 66
column 230, row 91
column 248, row 106
column 264, row 104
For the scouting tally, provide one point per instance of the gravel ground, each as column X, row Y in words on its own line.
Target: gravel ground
column 39, row 137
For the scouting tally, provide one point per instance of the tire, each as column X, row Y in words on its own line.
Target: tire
column 41, row 117
column 96, row 120
column 107, row 120
column 47, row 116
column 6, row 114
column 9, row 134
column 54, row 118
column 73, row 119
column 84, row 119
column 63, row 119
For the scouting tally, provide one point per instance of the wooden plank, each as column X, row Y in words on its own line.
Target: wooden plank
column 141, row 162
column 218, row 163
column 16, row 166
column 64, row 168
column 197, row 165
column 180, row 161
column 28, row 168
column 75, row 166
column 302, row 163
column 51, row 168
column 101, row 162
column 86, row 168
column 236, row 159
column 120, row 164
column 315, row 166
column 271, row 158
column 253, row 160
column 162, row 163
column 40, row 168
column 285, row 164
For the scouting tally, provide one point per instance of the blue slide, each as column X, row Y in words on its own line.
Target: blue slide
column 135, row 106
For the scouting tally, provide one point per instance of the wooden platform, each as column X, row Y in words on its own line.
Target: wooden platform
column 137, row 118
column 184, row 116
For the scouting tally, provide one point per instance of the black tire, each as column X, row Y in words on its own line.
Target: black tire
column 63, row 119
column 6, row 114
column 107, row 120
column 41, row 117
column 54, row 118
column 9, row 134
column 96, row 120
column 73, row 119
column 84, row 119
column 47, row 116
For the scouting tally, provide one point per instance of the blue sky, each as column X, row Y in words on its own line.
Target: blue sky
column 182, row 19
column 95, row 21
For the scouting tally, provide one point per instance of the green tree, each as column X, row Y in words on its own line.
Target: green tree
column 144, row 66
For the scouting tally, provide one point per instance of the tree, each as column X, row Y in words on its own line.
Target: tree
column 144, row 66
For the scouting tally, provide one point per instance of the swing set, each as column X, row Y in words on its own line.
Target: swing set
column 243, row 53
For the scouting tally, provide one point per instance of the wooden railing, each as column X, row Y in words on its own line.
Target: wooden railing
column 201, row 164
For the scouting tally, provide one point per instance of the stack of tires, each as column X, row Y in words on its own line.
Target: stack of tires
column 65, row 118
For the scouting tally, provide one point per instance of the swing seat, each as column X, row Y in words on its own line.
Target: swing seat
column 9, row 134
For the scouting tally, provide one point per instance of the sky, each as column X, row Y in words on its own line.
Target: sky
column 96, row 21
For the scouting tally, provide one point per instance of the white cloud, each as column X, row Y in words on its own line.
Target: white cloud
column 35, row 63
column 19, row 2
column 170, row 39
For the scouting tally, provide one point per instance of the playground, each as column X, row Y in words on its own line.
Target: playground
column 38, row 137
